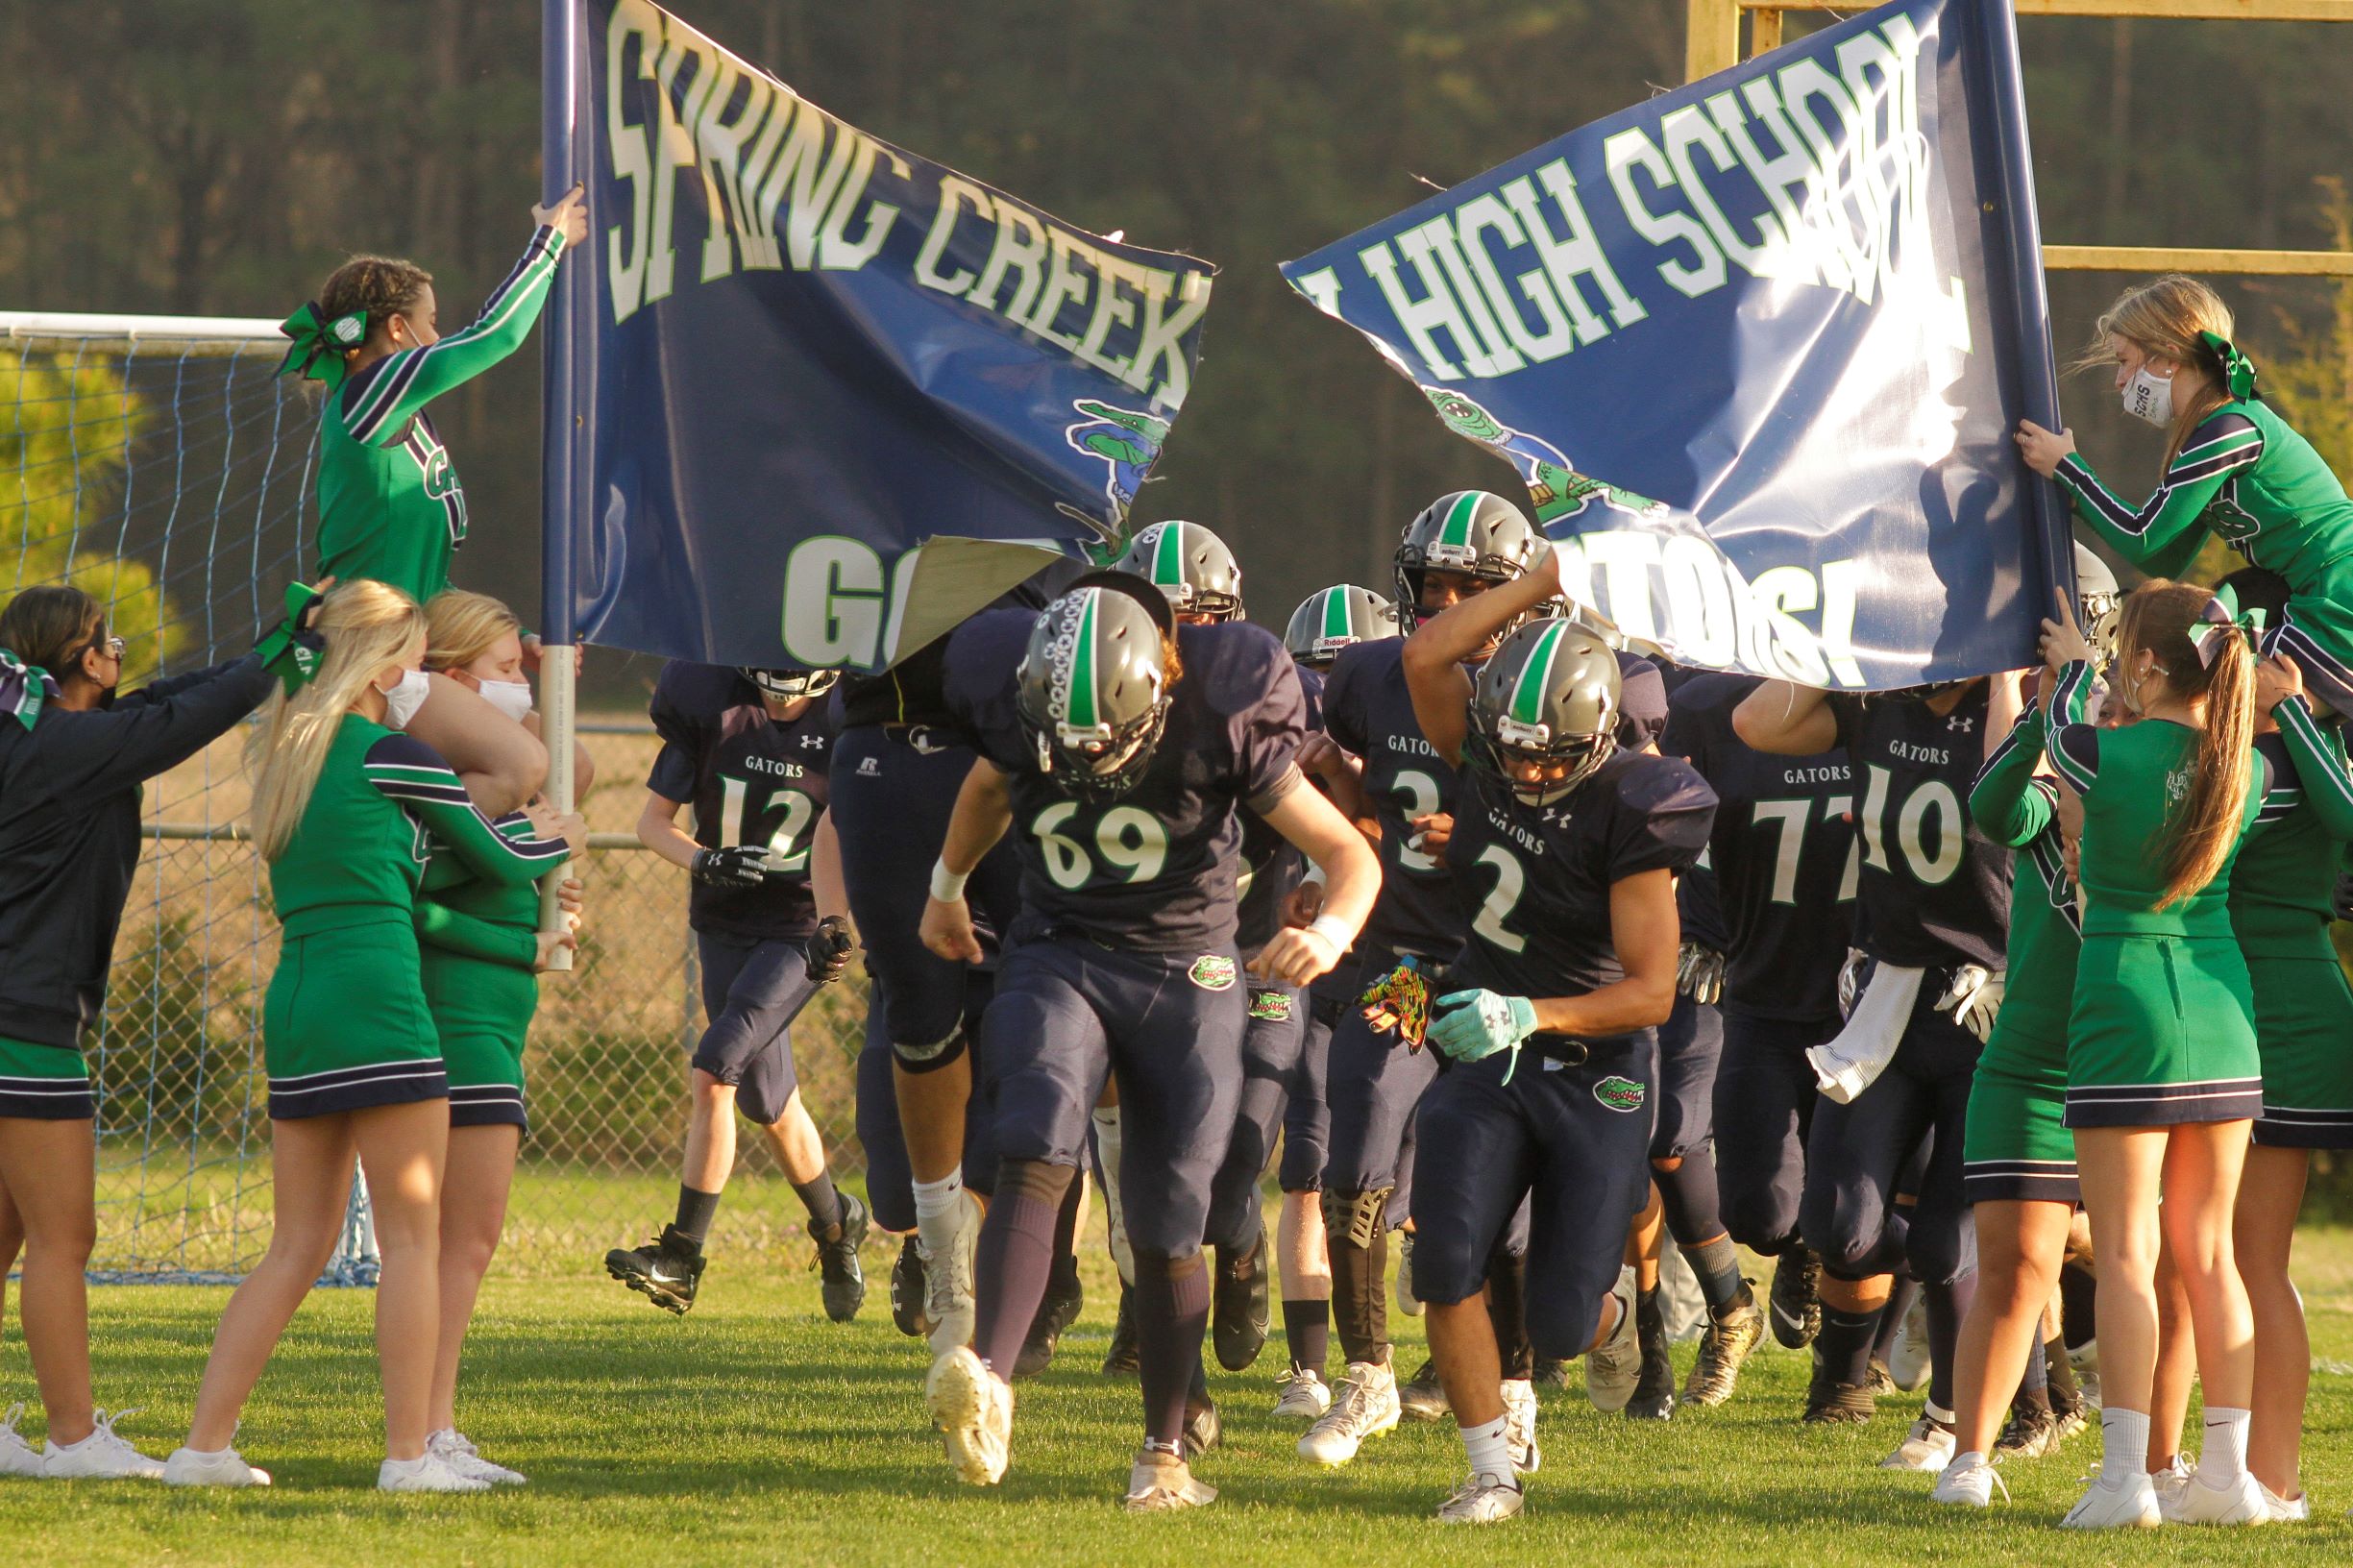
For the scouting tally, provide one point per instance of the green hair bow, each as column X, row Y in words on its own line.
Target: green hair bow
column 292, row 650
column 2238, row 370
column 23, row 689
column 2222, row 620
column 320, row 342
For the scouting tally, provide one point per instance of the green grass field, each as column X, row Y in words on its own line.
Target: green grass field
column 755, row 1431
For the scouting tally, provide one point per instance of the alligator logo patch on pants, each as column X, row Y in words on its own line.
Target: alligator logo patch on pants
column 1618, row 1093
column 1274, row 1006
column 1215, row 972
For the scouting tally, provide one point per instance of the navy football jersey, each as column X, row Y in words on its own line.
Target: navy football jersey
column 1642, row 701
column 1368, row 711
column 1155, row 870
column 1782, row 856
column 1271, row 864
column 1933, row 890
column 1538, row 878
column 749, row 780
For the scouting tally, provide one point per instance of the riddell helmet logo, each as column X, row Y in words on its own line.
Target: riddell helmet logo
column 1621, row 1094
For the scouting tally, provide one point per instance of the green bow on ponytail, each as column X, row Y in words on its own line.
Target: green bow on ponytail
column 292, row 650
column 2238, row 370
column 320, row 343
column 23, row 689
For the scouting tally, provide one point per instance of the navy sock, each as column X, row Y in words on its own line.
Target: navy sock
column 1844, row 1343
column 1172, row 1310
column 1717, row 1264
column 1014, row 1259
column 1508, row 1312
column 696, row 1209
column 1306, row 1328
column 1947, row 1305
column 2059, row 1375
column 1065, row 1226
column 823, row 1202
column 2076, row 1289
column 1687, row 1194
column 1891, row 1317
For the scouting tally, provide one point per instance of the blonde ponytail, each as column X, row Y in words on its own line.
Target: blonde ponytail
column 2204, row 827
column 367, row 625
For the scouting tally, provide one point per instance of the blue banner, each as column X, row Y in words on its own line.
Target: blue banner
column 800, row 351
column 1756, row 347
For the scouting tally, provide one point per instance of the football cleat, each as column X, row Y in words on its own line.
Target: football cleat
column 1655, row 1389
column 974, row 1410
column 1365, row 1403
column 1301, row 1395
column 2239, row 1502
column 18, row 1457
column 1520, row 1425
column 220, row 1467
column 908, row 1289
column 1926, row 1450
column 947, row 1299
column 455, row 1449
column 1162, row 1482
column 427, row 1472
column 666, row 1270
column 102, row 1455
column 1907, row 1353
column 1238, row 1316
column 1551, row 1373
column 1408, row 1301
column 1796, row 1299
column 841, row 1280
column 1725, row 1346
column 1882, row 1384
column 1122, row 1359
column 2130, row 1504
column 1204, row 1428
column 1615, row 1366
column 1481, row 1499
column 1423, row 1398
column 2034, row 1431
column 1969, row 1484
column 1056, row 1311
column 1838, row 1403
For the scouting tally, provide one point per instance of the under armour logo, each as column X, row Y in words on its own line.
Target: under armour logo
column 1964, row 726
column 814, row 742
column 869, row 768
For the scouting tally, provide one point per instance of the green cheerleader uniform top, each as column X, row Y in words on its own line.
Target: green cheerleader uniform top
column 390, row 506
column 477, row 917
column 2010, row 806
column 2287, row 869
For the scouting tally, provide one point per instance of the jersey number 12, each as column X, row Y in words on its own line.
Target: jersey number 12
column 740, row 821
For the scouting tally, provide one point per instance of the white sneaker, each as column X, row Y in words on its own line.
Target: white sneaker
column 18, row 1457
column 973, row 1409
column 1615, row 1366
column 458, row 1451
column 1301, row 1395
column 947, row 1281
column 2239, row 1502
column 1907, row 1353
column 102, row 1455
column 1408, row 1301
column 2172, row 1478
column 2284, row 1510
column 1483, row 1499
column 218, row 1467
column 2129, row 1505
column 1969, row 1484
column 1927, row 1449
column 427, row 1472
column 1520, row 1427
column 1365, row 1403
column 1160, row 1483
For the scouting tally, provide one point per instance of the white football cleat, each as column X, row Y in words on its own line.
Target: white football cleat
column 1301, row 1395
column 217, row 1468
column 1365, row 1403
column 102, row 1455
column 1907, row 1353
column 974, row 1410
column 1483, row 1499
column 2130, row 1504
column 1520, row 1427
column 427, row 1472
column 947, row 1281
column 1160, row 1483
column 1926, row 1450
column 18, row 1457
column 2283, row 1510
column 1971, row 1485
column 458, row 1451
column 1615, row 1366
column 2239, row 1502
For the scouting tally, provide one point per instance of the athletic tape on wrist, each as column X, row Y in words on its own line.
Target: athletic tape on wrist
column 947, row 885
column 1334, row 930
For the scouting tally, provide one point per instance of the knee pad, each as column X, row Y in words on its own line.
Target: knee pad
column 1354, row 1218
column 922, row 1059
column 1037, row 1179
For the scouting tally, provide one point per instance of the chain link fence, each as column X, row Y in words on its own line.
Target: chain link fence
column 183, row 1178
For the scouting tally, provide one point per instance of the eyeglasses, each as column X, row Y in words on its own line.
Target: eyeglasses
column 112, row 647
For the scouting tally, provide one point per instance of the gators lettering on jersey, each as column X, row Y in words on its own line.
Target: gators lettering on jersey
column 1933, row 890
column 1782, row 853
column 1156, row 869
column 750, row 780
column 1368, row 712
column 1537, row 879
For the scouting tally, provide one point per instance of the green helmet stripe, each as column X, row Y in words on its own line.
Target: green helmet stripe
column 1458, row 527
column 1335, row 612
column 1082, row 664
column 1169, row 557
column 1537, row 676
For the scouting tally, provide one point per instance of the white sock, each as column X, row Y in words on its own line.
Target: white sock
column 2223, row 1459
column 2124, row 1445
column 1108, row 1140
column 1489, row 1452
column 1942, row 1418
column 936, row 1211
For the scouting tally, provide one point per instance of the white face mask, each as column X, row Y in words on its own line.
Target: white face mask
column 402, row 703
column 511, row 698
column 2149, row 396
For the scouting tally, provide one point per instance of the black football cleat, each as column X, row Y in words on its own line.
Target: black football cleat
column 1056, row 1311
column 1120, row 1360
column 1422, row 1397
column 665, row 1269
column 842, row 1280
column 1203, row 1428
column 1551, row 1373
column 1838, row 1403
column 1237, row 1316
column 1796, row 1300
column 908, row 1285
column 1655, row 1389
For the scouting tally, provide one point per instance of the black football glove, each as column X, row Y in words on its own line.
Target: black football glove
column 827, row 952
column 2341, row 904
column 737, row 866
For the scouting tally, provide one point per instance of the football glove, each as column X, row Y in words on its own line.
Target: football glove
column 1699, row 975
column 1399, row 1003
column 826, row 953
column 735, row 866
column 1476, row 1024
column 1851, row 981
column 1974, row 1000
column 2341, row 905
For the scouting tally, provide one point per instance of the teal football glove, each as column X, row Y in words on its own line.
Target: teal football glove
column 1473, row 1024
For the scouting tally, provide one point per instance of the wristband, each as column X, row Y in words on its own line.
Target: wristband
column 947, row 885
column 1315, row 876
column 1334, row 930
